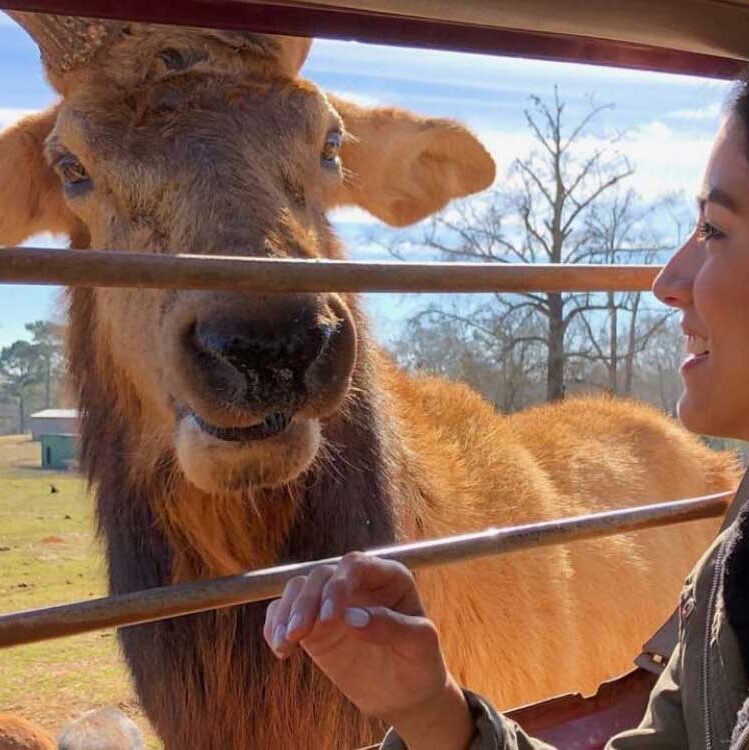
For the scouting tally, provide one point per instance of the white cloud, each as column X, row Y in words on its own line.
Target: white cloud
column 352, row 215
column 666, row 159
column 709, row 112
column 9, row 115
column 361, row 99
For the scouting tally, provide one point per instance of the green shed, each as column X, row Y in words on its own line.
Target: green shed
column 59, row 451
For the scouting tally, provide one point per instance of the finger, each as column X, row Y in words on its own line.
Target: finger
column 306, row 607
column 413, row 637
column 270, row 613
column 366, row 580
column 281, row 617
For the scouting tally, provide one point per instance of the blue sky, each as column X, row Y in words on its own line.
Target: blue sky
column 669, row 121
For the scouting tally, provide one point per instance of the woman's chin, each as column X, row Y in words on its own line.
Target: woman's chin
column 699, row 417
column 690, row 414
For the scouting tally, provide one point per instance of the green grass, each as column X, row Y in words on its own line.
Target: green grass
column 49, row 555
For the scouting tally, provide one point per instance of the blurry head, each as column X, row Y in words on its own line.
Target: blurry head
column 197, row 141
column 708, row 280
column 101, row 729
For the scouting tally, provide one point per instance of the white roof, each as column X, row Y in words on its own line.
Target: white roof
column 56, row 414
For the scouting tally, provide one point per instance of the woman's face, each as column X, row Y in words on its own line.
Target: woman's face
column 708, row 280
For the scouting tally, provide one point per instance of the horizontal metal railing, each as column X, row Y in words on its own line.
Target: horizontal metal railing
column 188, row 598
column 20, row 265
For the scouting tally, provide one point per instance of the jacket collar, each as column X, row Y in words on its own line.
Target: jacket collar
column 734, row 607
column 736, row 576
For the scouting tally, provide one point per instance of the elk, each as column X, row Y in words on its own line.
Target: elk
column 229, row 431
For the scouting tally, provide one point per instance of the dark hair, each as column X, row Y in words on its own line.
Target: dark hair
column 738, row 103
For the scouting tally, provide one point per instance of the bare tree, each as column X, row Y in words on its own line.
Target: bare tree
column 540, row 217
column 47, row 340
column 621, row 230
column 566, row 202
column 19, row 371
column 493, row 354
column 658, row 369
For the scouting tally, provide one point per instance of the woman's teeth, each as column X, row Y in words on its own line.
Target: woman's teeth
column 696, row 346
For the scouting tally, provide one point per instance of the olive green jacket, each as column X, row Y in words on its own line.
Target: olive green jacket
column 696, row 699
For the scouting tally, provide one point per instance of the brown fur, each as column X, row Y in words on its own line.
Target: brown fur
column 30, row 201
column 222, row 157
column 18, row 734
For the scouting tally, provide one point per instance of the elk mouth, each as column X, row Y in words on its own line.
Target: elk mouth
column 267, row 453
column 272, row 425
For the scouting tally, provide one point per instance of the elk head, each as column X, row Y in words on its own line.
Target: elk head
column 181, row 140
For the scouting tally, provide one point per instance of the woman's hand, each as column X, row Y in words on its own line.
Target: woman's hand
column 363, row 624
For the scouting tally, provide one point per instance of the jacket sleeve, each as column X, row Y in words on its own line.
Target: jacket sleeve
column 662, row 727
column 493, row 731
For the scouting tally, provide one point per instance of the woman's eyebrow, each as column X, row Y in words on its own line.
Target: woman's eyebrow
column 721, row 197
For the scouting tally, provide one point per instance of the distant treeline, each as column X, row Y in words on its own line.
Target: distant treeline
column 31, row 375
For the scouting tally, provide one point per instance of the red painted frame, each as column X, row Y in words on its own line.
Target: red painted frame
column 302, row 19
column 576, row 722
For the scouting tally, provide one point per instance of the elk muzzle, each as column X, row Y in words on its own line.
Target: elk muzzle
column 248, row 366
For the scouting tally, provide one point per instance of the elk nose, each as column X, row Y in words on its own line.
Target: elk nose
column 258, row 353
column 252, row 355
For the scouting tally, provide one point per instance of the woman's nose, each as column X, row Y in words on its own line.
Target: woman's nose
column 674, row 284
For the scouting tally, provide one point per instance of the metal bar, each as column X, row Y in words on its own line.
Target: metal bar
column 260, row 585
column 404, row 28
column 116, row 269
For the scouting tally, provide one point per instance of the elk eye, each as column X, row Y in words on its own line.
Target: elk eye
column 331, row 152
column 73, row 174
column 172, row 59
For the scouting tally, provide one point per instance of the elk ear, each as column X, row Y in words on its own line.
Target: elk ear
column 402, row 168
column 31, row 198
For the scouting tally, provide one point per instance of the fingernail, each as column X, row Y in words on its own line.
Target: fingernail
column 279, row 636
column 295, row 622
column 357, row 618
column 327, row 611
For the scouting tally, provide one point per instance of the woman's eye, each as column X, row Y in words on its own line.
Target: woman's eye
column 331, row 152
column 72, row 171
column 706, row 231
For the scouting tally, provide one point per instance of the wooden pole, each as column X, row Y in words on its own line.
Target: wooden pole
column 115, row 269
column 259, row 585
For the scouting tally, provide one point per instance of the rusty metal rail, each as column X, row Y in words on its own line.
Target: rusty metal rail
column 117, row 269
column 184, row 599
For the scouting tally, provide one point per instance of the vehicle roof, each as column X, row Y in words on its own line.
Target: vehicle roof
column 704, row 37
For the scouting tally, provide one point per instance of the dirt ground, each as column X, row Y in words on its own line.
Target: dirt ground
column 49, row 555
